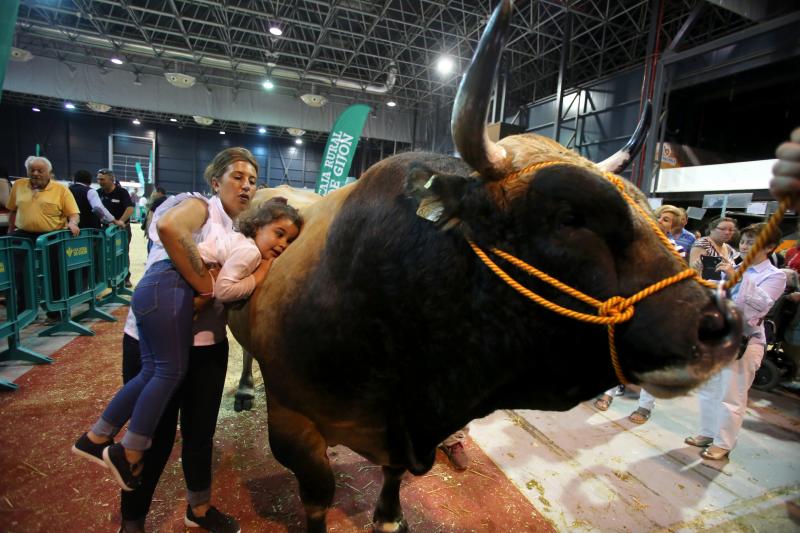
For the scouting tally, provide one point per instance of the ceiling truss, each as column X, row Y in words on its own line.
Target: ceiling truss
column 348, row 49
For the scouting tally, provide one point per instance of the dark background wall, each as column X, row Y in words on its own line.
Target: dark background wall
column 73, row 141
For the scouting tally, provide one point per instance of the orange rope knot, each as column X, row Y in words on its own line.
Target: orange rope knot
column 619, row 308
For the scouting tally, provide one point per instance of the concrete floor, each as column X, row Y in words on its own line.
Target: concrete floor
column 576, row 471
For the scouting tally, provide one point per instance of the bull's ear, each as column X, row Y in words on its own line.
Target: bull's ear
column 438, row 196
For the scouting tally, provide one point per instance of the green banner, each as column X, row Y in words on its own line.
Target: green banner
column 140, row 174
column 342, row 143
column 8, row 20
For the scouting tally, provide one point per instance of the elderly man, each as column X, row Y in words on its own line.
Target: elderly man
column 38, row 205
column 117, row 200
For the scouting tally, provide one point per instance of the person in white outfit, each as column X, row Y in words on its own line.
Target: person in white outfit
column 723, row 399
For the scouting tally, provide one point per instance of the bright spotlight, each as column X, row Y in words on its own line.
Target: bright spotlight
column 116, row 60
column 173, row 119
column 298, row 141
column 275, row 30
column 35, row 109
column 445, row 65
column 69, row 105
column 268, row 85
column 222, row 132
column 262, row 130
column 391, row 103
column 136, row 121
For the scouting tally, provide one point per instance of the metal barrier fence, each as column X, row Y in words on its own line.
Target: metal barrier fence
column 17, row 264
column 72, row 271
column 117, row 265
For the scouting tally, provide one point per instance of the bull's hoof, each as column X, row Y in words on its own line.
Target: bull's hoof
column 243, row 402
column 400, row 526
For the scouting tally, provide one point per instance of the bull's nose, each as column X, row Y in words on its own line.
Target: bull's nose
column 720, row 326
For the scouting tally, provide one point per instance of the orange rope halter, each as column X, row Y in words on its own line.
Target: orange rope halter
column 616, row 309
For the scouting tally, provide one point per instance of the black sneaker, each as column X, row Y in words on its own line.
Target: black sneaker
column 127, row 475
column 87, row 449
column 213, row 521
column 132, row 526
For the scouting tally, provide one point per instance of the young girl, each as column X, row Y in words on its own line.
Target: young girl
column 245, row 258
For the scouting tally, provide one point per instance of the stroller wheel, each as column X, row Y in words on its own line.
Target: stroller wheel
column 767, row 377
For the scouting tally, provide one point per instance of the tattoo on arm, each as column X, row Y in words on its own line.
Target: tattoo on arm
column 193, row 255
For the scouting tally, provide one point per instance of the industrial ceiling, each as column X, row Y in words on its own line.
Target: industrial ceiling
column 357, row 50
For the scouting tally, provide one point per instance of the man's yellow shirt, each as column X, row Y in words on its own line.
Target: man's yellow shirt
column 40, row 211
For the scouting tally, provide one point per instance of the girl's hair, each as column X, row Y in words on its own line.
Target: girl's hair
column 716, row 222
column 273, row 209
column 222, row 160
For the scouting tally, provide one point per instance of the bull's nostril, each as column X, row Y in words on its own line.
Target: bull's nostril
column 713, row 327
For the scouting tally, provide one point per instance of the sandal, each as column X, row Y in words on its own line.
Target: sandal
column 640, row 416
column 700, row 441
column 603, row 403
column 715, row 453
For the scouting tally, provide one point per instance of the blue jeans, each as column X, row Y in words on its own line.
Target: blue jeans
column 162, row 305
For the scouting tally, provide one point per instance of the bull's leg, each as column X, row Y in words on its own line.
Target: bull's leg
column 388, row 517
column 297, row 445
column 243, row 401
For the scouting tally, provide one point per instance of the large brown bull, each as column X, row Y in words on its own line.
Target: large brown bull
column 380, row 329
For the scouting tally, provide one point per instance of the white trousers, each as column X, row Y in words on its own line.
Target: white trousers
column 723, row 398
column 646, row 400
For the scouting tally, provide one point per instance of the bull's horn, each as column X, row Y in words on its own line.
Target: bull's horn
column 468, row 122
column 620, row 160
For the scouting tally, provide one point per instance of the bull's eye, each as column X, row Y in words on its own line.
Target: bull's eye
column 573, row 219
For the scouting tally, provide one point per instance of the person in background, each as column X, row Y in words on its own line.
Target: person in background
column 93, row 212
column 723, row 398
column 157, row 197
column 669, row 218
column 680, row 234
column 38, row 205
column 720, row 232
column 117, row 200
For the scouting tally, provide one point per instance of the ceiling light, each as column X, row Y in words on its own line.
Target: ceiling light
column 222, row 132
column 97, row 106
column 136, row 80
column 295, row 132
column 262, row 129
column 116, row 60
column 35, row 109
column 136, row 121
column 69, row 105
column 271, row 64
column 18, row 54
column 182, row 81
column 445, row 65
column 203, row 121
column 268, row 85
column 275, row 30
column 314, row 100
column 298, row 141
column 391, row 103
column 173, row 119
